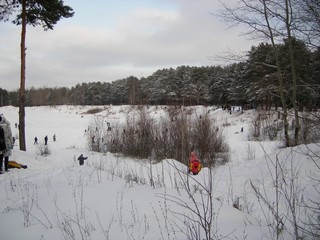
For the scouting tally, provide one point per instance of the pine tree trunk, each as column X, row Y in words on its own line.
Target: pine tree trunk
column 22, row 137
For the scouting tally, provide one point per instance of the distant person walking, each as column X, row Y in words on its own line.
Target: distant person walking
column 54, row 137
column 46, row 140
column 81, row 159
column 35, row 140
column 6, row 143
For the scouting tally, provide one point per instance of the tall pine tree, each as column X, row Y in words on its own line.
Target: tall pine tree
column 36, row 12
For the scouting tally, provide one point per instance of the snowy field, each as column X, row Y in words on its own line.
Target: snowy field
column 110, row 197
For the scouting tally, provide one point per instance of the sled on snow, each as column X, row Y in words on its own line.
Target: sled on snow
column 14, row 164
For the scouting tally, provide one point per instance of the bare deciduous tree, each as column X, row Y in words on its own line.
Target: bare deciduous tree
column 272, row 21
column 309, row 21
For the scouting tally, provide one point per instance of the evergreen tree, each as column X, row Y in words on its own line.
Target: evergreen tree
column 36, row 12
column 261, row 76
column 133, row 89
column 4, row 97
column 302, row 63
column 220, row 82
column 314, row 87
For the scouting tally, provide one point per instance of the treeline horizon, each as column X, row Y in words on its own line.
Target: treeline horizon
column 249, row 83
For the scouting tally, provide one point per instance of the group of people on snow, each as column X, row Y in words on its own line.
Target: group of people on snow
column 45, row 139
column 7, row 142
column 194, row 167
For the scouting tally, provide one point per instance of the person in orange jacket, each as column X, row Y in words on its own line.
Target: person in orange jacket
column 194, row 164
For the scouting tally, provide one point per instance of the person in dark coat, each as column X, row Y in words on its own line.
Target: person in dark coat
column 6, row 142
column 81, row 159
column 45, row 140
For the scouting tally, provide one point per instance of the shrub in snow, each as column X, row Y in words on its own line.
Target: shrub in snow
column 43, row 150
column 172, row 136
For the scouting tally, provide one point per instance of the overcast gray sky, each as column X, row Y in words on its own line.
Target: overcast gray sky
column 108, row 40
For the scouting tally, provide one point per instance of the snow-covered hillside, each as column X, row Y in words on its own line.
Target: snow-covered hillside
column 110, row 197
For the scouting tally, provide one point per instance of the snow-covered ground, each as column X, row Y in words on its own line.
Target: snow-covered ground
column 110, row 197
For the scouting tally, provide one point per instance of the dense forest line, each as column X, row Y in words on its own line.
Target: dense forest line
column 248, row 83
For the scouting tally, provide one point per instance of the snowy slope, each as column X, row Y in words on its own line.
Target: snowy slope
column 110, row 197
